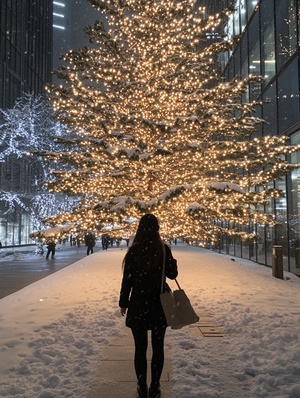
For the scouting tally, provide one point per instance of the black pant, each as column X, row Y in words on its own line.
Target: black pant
column 140, row 337
column 90, row 249
column 52, row 251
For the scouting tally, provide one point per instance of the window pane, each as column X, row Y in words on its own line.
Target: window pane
column 270, row 111
column 268, row 40
column 281, row 236
column 236, row 20
column 243, row 14
column 237, row 61
column 288, row 99
column 294, row 210
column 286, row 39
column 244, row 57
column 251, row 6
column 254, row 56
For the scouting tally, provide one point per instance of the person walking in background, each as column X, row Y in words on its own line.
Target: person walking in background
column 118, row 241
column 90, row 243
column 51, row 249
column 105, row 240
column 140, row 299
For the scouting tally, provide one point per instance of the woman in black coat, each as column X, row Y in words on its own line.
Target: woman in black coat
column 140, row 298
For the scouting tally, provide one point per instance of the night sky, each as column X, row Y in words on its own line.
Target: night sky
column 78, row 14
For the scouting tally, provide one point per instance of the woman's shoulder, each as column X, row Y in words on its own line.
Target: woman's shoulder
column 132, row 250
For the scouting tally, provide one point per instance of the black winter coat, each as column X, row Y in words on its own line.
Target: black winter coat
column 140, row 290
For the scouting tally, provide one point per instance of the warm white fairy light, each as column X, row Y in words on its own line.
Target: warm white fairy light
column 158, row 129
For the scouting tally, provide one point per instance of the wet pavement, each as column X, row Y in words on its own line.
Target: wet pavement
column 21, row 267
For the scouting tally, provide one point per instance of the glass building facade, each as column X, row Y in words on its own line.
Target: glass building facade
column 269, row 47
column 25, row 66
column 25, row 48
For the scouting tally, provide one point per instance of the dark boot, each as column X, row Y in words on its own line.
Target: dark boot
column 154, row 390
column 142, row 390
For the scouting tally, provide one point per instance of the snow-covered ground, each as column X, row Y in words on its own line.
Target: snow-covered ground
column 53, row 332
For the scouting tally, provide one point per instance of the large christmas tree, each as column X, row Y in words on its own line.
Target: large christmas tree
column 158, row 129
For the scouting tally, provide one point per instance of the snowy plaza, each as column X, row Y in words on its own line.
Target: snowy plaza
column 185, row 109
column 55, row 332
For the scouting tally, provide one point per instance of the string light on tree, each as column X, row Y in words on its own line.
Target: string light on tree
column 158, row 129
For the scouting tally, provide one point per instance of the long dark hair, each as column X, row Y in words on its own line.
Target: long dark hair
column 147, row 242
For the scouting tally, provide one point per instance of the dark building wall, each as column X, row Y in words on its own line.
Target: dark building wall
column 25, row 48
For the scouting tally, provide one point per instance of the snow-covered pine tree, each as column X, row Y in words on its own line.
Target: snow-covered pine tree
column 158, row 129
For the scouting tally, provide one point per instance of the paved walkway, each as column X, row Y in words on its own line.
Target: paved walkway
column 116, row 376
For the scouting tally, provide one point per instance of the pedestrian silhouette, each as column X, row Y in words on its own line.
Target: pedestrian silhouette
column 51, row 249
column 140, row 299
column 90, row 243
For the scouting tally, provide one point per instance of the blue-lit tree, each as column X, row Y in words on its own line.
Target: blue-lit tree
column 27, row 129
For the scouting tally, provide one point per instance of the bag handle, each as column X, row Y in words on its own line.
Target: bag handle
column 164, row 270
column 177, row 284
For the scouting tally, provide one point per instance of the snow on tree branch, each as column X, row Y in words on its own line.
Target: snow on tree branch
column 153, row 116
